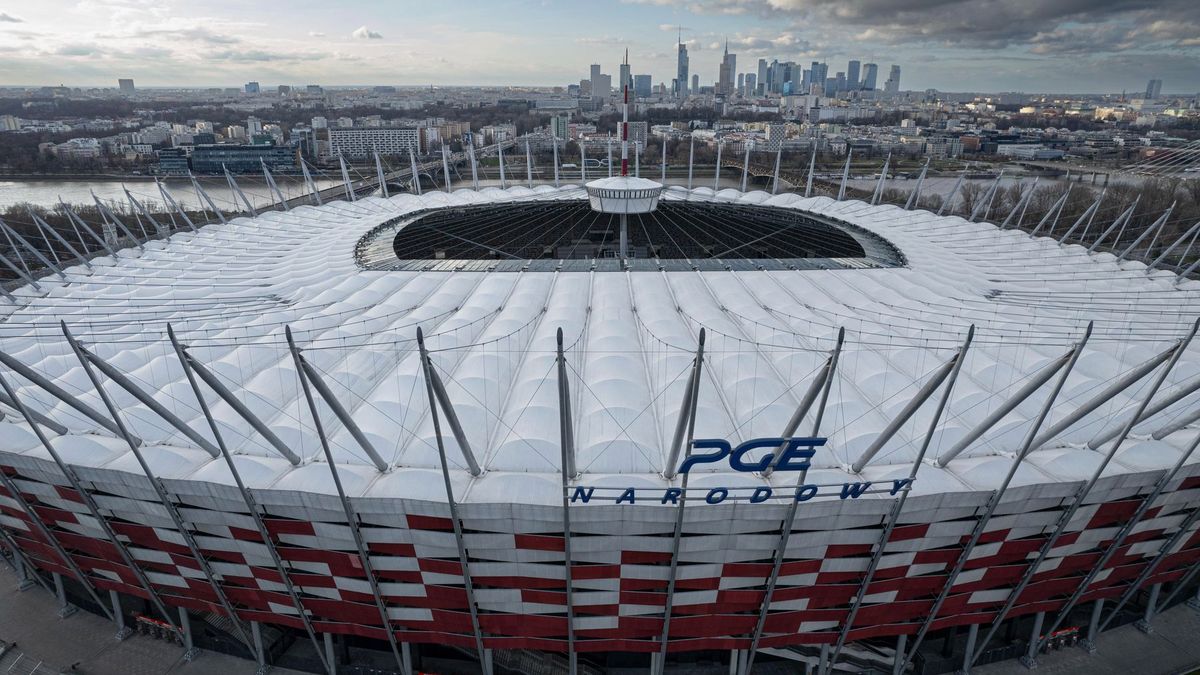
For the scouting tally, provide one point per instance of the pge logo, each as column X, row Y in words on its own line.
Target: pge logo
column 795, row 456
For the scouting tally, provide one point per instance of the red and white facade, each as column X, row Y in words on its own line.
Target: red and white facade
column 630, row 338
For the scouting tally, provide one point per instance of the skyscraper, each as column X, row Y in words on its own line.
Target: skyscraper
column 763, row 79
column 594, row 75
column 643, row 86
column 1153, row 89
column 870, row 75
column 741, row 85
column 695, row 84
column 681, row 69
column 602, row 86
column 820, row 72
column 752, row 85
column 892, row 86
column 624, row 78
column 252, row 88
column 126, row 86
column 726, row 72
column 852, row 74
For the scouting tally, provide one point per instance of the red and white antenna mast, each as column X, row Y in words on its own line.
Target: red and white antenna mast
column 625, row 120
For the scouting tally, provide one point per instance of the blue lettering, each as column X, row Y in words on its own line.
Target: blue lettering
column 761, row 494
column 581, row 494
column 796, row 456
column 627, row 495
column 806, row 492
column 735, row 460
column 854, row 490
column 718, row 444
column 898, row 485
column 716, row 495
column 672, row 495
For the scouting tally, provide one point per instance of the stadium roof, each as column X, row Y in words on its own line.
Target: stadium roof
column 906, row 303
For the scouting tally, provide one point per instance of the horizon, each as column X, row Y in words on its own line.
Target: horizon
column 948, row 45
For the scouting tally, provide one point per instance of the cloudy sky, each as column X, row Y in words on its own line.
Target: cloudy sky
column 952, row 45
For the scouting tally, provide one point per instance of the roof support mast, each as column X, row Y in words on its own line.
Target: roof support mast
column 566, row 433
column 823, row 382
column 401, row 656
column 251, row 505
column 898, row 505
column 160, row 491
column 688, row 414
column 469, row 587
column 1014, row 596
column 993, row 503
column 88, row 500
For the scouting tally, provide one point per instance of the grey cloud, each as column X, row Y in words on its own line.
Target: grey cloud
column 9, row 18
column 1059, row 26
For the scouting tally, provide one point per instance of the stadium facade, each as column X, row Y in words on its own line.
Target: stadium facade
column 783, row 427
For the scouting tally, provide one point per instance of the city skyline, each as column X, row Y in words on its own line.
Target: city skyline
column 1042, row 47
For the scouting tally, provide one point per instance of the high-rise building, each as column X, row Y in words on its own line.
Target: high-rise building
column 594, row 75
column 870, row 76
column 695, row 84
column 725, row 73
column 253, row 126
column 681, row 69
column 839, row 82
column 624, row 78
column 741, row 85
column 126, row 86
column 558, row 126
column 852, row 75
column 1153, row 89
column 751, row 84
column 252, row 88
column 775, row 84
column 602, row 86
column 820, row 72
column 643, row 86
column 762, row 78
column 892, row 86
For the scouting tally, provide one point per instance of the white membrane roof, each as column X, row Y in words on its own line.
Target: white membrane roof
column 230, row 289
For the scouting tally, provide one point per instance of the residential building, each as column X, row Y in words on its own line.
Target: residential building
column 360, row 143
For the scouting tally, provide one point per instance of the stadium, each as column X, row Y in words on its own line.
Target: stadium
column 617, row 425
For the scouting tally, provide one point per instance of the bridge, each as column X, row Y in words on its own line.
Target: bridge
column 366, row 185
column 822, row 185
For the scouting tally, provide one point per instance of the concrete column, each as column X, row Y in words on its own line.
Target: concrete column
column 25, row 582
column 256, row 635
column 823, row 664
column 1030, row 658
column 1144, row 623
column 972, row 637
column 654, row 661
column 189, row 648
column 123, row 631
column 487, row 653
column 65, row 608
column 898, row 661
column 406, row 653
column 733, row 662
column 743, row 660
column 330, row 656
column 1089, row 642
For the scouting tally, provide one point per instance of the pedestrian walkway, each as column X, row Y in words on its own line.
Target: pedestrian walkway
column 29, row 619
